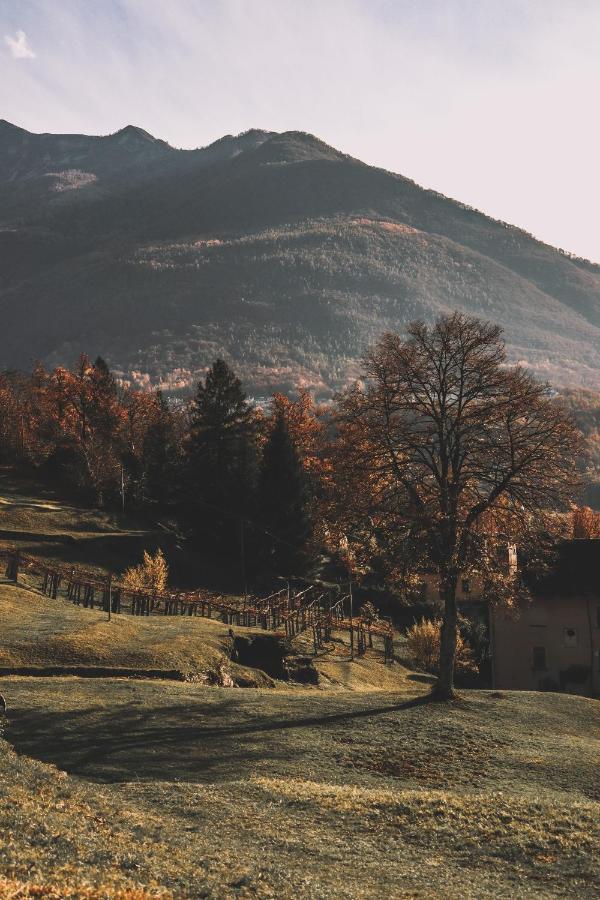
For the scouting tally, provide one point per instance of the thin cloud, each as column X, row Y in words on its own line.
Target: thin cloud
column 19, row 45
column 486, row 102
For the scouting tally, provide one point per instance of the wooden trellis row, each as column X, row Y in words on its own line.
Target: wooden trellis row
column 288, row 610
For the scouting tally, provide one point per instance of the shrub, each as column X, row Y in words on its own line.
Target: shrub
column 423, row 639
column 150, row 576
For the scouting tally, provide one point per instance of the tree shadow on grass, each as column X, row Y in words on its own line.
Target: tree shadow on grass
column 197, row 742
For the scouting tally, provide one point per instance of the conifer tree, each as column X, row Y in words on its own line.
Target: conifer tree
column 104, row 409
column 160, row 455
column 283, row 500
column 222, row 455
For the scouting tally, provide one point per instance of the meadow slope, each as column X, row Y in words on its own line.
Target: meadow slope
column 214, row 792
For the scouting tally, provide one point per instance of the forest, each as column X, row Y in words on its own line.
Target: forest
column 217, row 463
column 224, row 469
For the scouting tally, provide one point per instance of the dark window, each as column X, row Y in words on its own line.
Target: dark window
column 466, row 586
column 598, row 617
column 570, row 637
column 539, row 659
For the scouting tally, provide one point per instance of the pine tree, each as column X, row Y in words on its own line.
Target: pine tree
column 222, row 455
column 104, row 407
column 160, row 456
column 284, row 503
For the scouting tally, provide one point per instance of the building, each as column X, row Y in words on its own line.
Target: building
column 552, row 642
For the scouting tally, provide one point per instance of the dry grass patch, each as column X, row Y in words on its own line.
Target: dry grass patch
column 38, row 631
column 512, row 828
column 12, row 889
column 221, row 793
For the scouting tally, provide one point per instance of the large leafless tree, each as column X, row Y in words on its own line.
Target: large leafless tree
column 446, row 446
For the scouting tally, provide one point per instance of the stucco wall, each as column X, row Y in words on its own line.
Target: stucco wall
column 559, row 625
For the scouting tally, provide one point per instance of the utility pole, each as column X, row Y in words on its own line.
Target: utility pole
column 351, row 616
column 345, row 548
column 243, row 557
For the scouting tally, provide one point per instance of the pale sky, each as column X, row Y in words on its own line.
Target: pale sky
column 492, row 102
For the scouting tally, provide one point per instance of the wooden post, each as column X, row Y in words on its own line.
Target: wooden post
column 12, row 569
column 109, row 592
column 351, row 618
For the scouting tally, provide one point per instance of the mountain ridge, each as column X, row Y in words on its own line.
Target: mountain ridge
column 273, row 249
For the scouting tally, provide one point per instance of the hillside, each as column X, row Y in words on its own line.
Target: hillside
column 42, row 633
column 214, row 792
column 274, row 250
column 130, row 788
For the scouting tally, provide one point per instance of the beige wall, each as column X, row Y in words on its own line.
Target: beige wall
column 559, row 625
column 470, row 588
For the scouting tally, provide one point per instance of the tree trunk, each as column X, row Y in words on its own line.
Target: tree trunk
column 444, row 688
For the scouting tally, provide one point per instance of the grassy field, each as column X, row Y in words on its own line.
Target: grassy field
column 41, row 632
column 129, row 788
column 42, row 524
column 214, row 792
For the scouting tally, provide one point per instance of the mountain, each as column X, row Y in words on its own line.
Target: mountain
column 276, row 251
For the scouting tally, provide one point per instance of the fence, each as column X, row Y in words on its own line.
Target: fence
column 287, row 610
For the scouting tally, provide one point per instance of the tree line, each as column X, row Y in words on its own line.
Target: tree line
column 225, row 468
column 436, row 459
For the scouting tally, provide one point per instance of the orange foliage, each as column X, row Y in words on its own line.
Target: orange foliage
column 586, row 523
column 304, row 426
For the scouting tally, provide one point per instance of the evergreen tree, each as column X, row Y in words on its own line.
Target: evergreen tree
column 103, row 409
column 222, row 456
column 105, row 380
column 284, row 503
column 160, row 456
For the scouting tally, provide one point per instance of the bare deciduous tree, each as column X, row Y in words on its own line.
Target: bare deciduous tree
column 446, row 446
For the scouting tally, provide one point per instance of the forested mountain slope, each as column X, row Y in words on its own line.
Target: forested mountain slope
column 274, row 250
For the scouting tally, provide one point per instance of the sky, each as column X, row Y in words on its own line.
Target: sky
column 492, row 102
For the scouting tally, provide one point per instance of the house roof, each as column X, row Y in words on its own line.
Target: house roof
column 575, row 571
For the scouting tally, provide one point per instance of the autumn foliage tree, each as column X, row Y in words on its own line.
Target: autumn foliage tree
column 150, row 576
column 585, row 523
column 306, row 430
column 443, row 434
column 84, row 432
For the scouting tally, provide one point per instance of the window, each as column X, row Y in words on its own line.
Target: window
column 466, row 586
column 539, row 659
column 570, row 637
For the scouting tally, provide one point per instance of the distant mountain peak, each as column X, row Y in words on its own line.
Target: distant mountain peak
column 133, row 133
column 297, row 146
column 8, row 127
column 273, row 249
